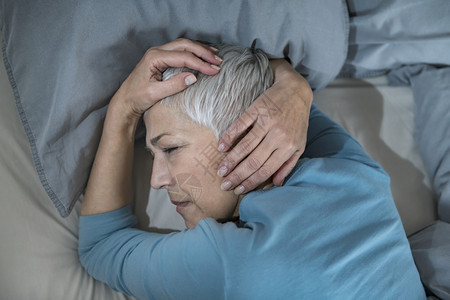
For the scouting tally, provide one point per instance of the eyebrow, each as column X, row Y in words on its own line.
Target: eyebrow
column 154, row 141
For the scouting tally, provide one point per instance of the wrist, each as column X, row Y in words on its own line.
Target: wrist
column 120, row 120
column 289, row 80
column 281, row 68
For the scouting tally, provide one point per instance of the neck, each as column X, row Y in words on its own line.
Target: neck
column 263, row 186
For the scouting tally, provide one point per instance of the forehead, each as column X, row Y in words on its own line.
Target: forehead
column 164, row 119
column 161, row 116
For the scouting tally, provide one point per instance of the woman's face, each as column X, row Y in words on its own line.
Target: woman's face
column 185, row 163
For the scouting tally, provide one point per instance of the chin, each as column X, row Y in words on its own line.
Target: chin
column 192, row 222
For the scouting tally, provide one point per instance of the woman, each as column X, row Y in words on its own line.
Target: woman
column 330, row 232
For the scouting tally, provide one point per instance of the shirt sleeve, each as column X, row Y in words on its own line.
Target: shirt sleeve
column 183, row 265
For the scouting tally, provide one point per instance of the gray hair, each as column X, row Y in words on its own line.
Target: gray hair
column 217, row 101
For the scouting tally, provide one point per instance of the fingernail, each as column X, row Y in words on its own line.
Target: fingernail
column 239, row 190
column 190, row 79
column 221, row 147
column 226, row 185
column 222, row 171
column 214, row 49
column 215, row 67
column 218, row 58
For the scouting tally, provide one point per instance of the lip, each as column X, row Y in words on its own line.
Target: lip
column 181, row 205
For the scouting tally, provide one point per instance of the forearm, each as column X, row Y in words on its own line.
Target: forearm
column 147, row 265
column 106, row 238
column 109, row 186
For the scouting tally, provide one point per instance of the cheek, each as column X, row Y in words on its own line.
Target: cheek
column 216, row 203
column 189, row 178
column 195, row 174
column 181, row 164
column 202, row 168
column 206, row 169
column 187, row 187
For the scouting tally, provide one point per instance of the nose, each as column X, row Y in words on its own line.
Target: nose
column 161, row 177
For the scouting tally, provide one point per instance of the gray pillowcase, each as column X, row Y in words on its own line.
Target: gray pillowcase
column 65, row 59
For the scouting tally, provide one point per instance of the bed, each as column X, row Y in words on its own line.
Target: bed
column 38, row 249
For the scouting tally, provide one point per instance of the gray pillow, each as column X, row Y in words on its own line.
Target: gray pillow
column 65, row 59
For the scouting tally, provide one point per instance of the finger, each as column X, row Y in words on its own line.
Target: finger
column 201, row 50
column 237, row 129
column 214, row 49
column 261, row 175
column 175, row 84
column 159, row 60
column 210, row 55
column 246, row 168
column 244, row 147
column 286, row 168
column 253, row 164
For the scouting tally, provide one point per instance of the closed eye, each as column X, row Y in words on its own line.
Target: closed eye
column 170, row 149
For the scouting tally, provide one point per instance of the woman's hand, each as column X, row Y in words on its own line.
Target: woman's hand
column 144, row 86
column 274, row 132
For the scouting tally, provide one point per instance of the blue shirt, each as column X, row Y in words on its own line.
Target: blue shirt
column 330, row 232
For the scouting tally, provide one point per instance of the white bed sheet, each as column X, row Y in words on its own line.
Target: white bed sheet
column 38, row 249
column 381, row 118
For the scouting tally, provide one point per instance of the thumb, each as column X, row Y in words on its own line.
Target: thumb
column 173, row 85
